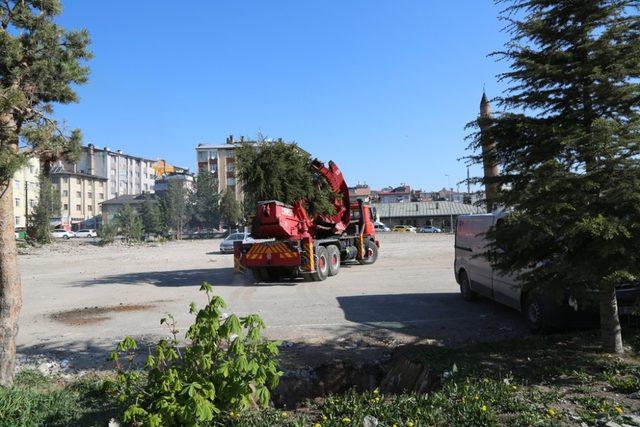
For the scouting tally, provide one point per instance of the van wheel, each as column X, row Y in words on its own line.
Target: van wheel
column 465, row 287
column 370, row 253
column 322, row 265
column 538, row 314
column 334, row 259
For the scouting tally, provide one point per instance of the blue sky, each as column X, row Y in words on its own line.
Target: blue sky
column 383, row 88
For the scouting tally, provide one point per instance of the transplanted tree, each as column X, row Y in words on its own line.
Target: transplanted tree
column 204, row 201
column 230, row 209
column 569, row 150
column 48, row 205
column 282, row 171
column 40, row 62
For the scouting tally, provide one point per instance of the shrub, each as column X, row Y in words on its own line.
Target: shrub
column 225, row 366
column 108, row 232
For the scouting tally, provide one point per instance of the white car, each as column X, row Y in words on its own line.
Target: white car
column 62, row 234
column 226, row 246
column 381, row 227
column 86, row 232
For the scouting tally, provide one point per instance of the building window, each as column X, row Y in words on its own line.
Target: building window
column 90, row 195
column 31, row 169
column 231, row 167
column 17, row 202
column 65, row 193
column 101, row 196
column 78, row 207
column 17, row 221
column 78, row 194
column 231, row 182
column 32, row 202
column 16, row 184
column 65, row 207
column 65, row 180
column 90, row 208
column 78, row 181
column 229, row 154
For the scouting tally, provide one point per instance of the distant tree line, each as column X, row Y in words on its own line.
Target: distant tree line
column 172, row 212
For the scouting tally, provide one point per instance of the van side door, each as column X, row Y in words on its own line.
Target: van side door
column 470, row 245
column 506, row 288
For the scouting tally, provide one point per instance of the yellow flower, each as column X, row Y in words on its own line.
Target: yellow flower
column 285, row 414
column 232, row 414
column 476, row 397
column 317, row 425
column 324, row 418
column 409, row 423
column 551, row 412
column 395, row 425
column 484, row 408
column 619, row 410
column 346, row 420
column 513, row 387
column 376, row 392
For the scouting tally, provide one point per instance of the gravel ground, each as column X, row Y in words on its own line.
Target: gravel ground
column 79, row 299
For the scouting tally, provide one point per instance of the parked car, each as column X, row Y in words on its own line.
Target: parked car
column 226, row 246
column 62, row 234
column 86, row 232
column 380, row 227
column 404, row 229
column 476, row 277
column 429, row 229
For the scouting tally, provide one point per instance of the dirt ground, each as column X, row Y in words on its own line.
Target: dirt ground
column 79, row 299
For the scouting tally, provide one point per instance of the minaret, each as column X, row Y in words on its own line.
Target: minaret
column 488, row 152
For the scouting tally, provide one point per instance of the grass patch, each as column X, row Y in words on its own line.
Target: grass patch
column 36, row 400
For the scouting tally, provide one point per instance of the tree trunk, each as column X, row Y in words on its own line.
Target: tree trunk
column 609, row 320
column 10, row 286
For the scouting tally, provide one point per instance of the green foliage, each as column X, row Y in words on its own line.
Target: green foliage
column 129, row 222
column 225, row 366
column 108, row 232
column 151, row 216
column 39, row 222
column 36, row 400
column 282, row 171
column 40, row 63
column 570, row 165
column 173, row 205
column 204, row 202
column 230, row 209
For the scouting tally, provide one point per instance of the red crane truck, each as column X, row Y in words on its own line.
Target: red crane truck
column 296, row 245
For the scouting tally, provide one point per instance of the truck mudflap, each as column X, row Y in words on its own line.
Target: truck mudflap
column 270, row 254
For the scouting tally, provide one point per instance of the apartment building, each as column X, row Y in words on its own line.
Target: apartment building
column 80, row 196
column 221, row 161
column 26, row 188
column 98, row 175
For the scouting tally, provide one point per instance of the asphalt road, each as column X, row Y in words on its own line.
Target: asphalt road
column 79, row 299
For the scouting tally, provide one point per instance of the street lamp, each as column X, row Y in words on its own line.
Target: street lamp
column 451, row 200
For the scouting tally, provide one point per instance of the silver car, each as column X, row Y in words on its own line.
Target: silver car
column 226, row 246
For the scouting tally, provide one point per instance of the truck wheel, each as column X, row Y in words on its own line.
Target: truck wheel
column 322, row 265
column 371, row 253
column 538, row 314
column 334, row 259
column 257, row 276
column 465, row 287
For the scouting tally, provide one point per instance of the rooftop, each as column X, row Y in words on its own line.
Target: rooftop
column 126, row 199
column 421, row 209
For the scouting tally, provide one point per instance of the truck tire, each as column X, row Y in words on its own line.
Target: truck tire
column 371, row 253
column 465, row 287
column 334, row 259
column 322, row 265
column 263, row 274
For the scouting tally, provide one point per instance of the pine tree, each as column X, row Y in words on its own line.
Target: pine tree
column 230, row 209
column 282, row 171
column 40, row 63
column 48, row 205
column 173, row 204
column 151, row 216
column 568, row 147
column 204, row 202
column 129, row 222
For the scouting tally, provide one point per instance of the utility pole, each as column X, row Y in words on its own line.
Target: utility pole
column 451, row 202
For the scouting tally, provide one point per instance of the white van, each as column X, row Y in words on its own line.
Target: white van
column 476, row 278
